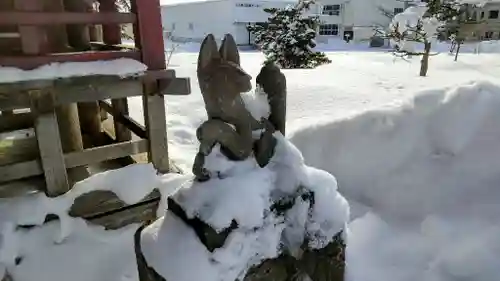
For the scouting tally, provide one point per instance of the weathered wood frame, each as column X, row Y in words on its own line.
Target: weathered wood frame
column 30, row 19
column 33, row 26
column 43, row 96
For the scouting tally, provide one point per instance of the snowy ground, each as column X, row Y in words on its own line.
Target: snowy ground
column 421, row 174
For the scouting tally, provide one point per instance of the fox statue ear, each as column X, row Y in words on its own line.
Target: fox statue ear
column 208, row 51
column 228, row 50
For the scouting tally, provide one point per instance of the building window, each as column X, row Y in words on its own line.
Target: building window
column 247, row 5
column 482, row 15
column 493, row 14
column 473, row 16
column 398, row 10
column 329, row 29
column 488, row 35
column 332, row 10
column 191, row 26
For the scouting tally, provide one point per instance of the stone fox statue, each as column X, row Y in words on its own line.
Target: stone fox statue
column 222, row 80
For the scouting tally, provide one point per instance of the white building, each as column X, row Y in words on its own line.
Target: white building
column 355, row 18
column 192, row 21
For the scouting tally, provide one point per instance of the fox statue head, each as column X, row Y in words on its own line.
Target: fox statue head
column 220, row 75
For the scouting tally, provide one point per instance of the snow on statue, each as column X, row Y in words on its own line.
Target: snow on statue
column 245, row 218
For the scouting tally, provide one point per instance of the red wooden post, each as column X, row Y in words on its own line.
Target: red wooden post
column 149, row 33
column 111, row 33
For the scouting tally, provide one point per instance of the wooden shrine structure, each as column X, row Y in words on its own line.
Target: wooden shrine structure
column 82, row 121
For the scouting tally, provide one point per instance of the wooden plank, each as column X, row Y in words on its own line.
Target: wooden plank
column 88, row 80
column 136, row 214
column 90, row 118
column 20, row 170
column 18, row 121
column 49, row 143
column 155, row 119
column 77, row 93
column 18, row 150
column 100, row 203
column 76, row 89
column 106, row 152
column 127, row 121
column 69, row 127
column 54, row 18
column 75, row 159
column 175, row 86
column 120, row 106
column 81, row 93
column 149, row 33
column 32, row 62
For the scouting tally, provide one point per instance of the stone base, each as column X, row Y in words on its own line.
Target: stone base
column 326, row 264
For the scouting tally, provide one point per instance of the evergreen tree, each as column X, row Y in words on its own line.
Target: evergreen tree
column 287, row 39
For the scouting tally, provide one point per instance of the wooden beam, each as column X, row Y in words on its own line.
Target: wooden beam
column 155, row 120
column 18, row 150
column 76, row 93
column 103, row 153
column 122, row 133
column 175, row 86
column 83, row 89
column 51, row 18
column 18, row 121
column 32, row 62
column 75, row 159
column 126, row 120
column 49, row 143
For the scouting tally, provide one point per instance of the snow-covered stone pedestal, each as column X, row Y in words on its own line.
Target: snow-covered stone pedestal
column 285, row 221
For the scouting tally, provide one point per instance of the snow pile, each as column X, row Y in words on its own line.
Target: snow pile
column 253, row 198
column 24, row 252
column 122, row 67
column 423, row 182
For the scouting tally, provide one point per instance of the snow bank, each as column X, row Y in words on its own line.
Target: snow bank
column 120, row 67
column 435, row 249
column 426, row 177
column 245, row 193
column 492, row 46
